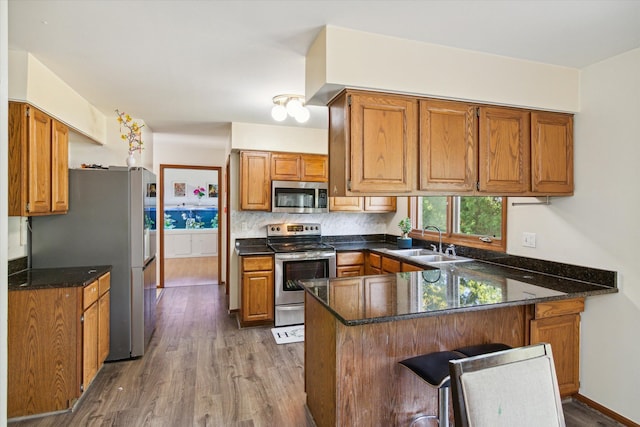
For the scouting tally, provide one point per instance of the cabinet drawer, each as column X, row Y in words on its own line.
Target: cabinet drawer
column 390, row 265
column 89, row 295
column 559, row 308
column 104, row 283
column 259, row 263
column 350, row 258
column 375, row 260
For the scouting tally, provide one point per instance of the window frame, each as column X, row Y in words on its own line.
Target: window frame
column 448, row 236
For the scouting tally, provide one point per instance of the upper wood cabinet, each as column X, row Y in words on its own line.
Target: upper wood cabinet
column 504, row 148
column 448, row 147
column 255, row 180
column 551, row 152
column 362, row 204
column 38, row 162
column 463, row 148
column 372, row 143
column 299, row 167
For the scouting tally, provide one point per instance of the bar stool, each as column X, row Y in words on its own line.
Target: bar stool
column 476, row 350
column 433, row 368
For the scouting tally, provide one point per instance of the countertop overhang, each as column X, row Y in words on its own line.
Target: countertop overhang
column 452, row 288
column 63, row 277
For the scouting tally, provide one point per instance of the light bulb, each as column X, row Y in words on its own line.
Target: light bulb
column 293, row 106
column 302, row 115
column 278, row 112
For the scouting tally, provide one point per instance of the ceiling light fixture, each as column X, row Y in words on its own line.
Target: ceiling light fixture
column 290, row 105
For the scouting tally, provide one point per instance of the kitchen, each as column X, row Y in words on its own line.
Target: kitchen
column 580, row 229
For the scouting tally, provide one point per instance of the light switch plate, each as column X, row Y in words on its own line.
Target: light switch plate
column 529, row 240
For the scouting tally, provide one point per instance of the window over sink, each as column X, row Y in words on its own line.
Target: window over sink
column 479, row 222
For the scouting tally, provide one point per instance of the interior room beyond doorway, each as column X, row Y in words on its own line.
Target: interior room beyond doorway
column 188, row 219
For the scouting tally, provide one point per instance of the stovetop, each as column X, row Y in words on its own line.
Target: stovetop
column 295, row 237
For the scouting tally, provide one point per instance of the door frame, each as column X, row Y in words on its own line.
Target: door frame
column 160, row 210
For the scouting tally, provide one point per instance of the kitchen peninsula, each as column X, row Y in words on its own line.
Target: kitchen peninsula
column 363, row 326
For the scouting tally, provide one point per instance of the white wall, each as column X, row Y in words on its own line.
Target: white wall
column 192, row 178
column 250, row 136
column 4, row 203
column 31, row 81
column 342, row 57
column 114, row 151
column 598, row 227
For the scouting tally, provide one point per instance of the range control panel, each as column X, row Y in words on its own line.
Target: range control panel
column 293, row 230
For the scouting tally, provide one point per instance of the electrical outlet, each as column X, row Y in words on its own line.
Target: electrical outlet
column 529, row 240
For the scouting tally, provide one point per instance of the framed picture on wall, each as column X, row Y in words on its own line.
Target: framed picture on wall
column 212, row 190
column 179, row 189
column 151, row 189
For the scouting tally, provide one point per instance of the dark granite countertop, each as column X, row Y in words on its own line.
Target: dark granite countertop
column 454, row 287
column 64, row 277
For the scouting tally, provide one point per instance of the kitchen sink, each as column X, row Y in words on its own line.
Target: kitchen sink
column 432, row 259
column 427, row 256
column 409, row 252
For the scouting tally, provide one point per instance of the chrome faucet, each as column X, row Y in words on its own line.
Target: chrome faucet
column 439, row 235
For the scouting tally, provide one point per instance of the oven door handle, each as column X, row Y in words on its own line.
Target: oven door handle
column 290, row 307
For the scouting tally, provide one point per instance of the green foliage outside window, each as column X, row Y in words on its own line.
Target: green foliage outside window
column 481, row 216
column 434, row 212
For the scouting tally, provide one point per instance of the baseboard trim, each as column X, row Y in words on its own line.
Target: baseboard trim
column 606, row 411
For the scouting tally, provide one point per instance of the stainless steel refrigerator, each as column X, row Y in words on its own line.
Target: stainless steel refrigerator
column 111, row 221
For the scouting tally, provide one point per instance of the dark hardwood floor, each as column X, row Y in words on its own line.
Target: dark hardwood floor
column 201, row 370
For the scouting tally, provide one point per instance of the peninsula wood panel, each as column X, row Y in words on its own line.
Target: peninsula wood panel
column 504, row 150
column 448, row 148
column 369, row 386
column 255, row 180
column 42, row 374
column 551, row 152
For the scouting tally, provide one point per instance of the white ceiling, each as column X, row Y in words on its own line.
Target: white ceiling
column 193, row 66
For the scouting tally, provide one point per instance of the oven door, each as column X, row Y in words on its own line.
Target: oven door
column 291, row 268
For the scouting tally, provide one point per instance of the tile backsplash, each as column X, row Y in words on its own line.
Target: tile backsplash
column 254, row 224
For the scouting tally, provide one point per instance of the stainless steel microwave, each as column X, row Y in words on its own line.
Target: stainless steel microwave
column 299, row 197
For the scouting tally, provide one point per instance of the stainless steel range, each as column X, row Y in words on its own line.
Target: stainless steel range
column 299, row 255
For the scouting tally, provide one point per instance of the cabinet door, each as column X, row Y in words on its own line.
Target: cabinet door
column 346, row 297
column 59, row 167
column 350, row 271
column 257, row 296
column 563, row 333
column 346, row 204
column 89, row 344
column 39, row 163
column 255, row 181
column 448, row 149
column 383, row 142
column 104, row 308
column 314, row 168
column 380, row 204
column 551, row 153
column 42, row 352
column 285, row 167
column 504, row 150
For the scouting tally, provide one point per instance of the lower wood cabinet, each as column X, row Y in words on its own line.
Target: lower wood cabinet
column 558, row 323
column 56, row 342
column 257, row 291
column 350, row 264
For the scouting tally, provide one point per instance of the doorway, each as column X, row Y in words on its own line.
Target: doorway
column 188, row 225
